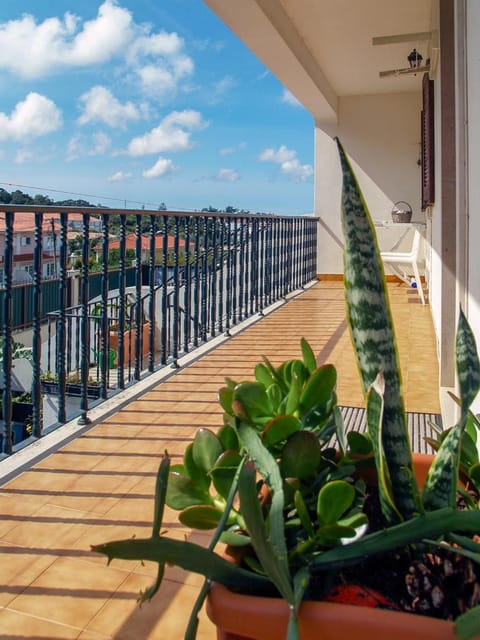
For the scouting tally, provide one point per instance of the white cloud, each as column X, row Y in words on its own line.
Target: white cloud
column 227, row 151
column 74, row 147
column 160, row 63
column 24, row 155
column 99, row 104
column 220, row 88
column 281, row 155
column 290, row 99
column 33, row 117
column 101, row 144
column 172, row 134
column 119, row 176
column 227, row 175
column 162, row 167
column 289, row 163
column 33, row 50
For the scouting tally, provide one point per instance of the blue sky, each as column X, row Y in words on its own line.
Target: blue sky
column 146, row 101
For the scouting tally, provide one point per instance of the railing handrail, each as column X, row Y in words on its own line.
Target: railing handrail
column 98, row 211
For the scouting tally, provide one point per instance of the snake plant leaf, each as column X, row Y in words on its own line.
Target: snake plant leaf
column 301, row 456
column 371, row 328
column 225, row 396
column 440, row 486
column 263, row 375
column 467, row 626
column 472, row 427
column 309, row 359
column 266, row 544
column 318, row 389
column 251, row 402
column 223, row 473
column 202, row 516
column 375, row 407
column 198, row 476
column 206, row 449
column 468, row 451
column 468, row 364
column 182, row 492
column 334, row 499
column 228, row 438
column 279, row 429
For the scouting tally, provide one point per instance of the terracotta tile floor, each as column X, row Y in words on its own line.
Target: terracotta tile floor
column 99, row 486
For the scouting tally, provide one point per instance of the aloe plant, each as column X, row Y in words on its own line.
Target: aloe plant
column 299, row 508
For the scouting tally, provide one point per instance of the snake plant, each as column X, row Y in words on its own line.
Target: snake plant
column 269, row 479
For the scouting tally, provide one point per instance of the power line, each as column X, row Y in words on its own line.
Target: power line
column 124, row 200
column 88, row 195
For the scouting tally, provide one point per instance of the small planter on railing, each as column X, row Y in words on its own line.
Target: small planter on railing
column 73, row 386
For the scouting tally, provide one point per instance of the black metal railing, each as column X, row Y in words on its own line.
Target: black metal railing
column 136, row 292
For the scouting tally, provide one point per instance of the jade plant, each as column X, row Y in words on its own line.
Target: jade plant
column 280, row 483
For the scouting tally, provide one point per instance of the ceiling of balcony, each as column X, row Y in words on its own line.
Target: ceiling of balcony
column 324, row 47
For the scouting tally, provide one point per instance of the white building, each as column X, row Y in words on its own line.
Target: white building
column 330, row 55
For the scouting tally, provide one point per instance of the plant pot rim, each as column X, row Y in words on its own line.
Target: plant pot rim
column 258, row 618
column 263, row 618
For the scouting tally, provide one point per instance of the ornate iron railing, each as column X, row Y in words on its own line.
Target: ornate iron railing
column 192, row 277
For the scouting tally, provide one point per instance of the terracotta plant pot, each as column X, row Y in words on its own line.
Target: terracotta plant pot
column 129, row 343
column 243, row 617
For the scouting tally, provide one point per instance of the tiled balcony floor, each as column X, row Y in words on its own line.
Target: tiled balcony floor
column 99, row 486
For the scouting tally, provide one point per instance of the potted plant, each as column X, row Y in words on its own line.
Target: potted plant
column 114, row 308
column 73, row 385
column 313, row 527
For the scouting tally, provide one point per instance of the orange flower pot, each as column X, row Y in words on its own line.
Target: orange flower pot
column 129, row 343
column 243, row 617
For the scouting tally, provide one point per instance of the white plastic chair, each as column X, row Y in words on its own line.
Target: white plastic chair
column 396, row 259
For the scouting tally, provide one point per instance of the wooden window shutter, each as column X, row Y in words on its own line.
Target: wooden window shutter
column 428, row 147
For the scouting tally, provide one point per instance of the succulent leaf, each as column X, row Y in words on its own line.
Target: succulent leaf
column 202, row 517
column 309, row 359
column 182, row 492
column 206, row 449
column 334, row 499
column 224, row 471
column 198, row 476
column 318, row 389
column 279, row 429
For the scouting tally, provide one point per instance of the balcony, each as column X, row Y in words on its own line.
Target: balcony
column 99, row 485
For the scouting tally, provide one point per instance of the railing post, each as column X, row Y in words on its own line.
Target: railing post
column 7, row 334
column 85, row 321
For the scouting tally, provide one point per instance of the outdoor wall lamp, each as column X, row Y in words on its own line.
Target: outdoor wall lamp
column 414, row 59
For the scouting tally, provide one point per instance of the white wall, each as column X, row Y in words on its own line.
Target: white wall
column 381, row 135
column 473, row 194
